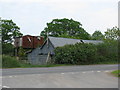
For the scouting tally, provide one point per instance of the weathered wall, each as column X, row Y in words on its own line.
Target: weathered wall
column 39, row 55
column 38, row 60
column 47, row 48
column 29, row 41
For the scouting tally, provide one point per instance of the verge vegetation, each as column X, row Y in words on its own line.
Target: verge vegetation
column 116, row 73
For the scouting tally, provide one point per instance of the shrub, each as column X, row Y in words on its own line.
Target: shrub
column 75, row 54
column 82, row 53
column 107, row 52
column 7, row 49
column 9, row 62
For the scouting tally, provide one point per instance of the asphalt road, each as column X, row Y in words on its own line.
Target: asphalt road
column 86, row 76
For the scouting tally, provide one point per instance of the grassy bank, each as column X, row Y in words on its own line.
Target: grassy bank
column 116, row 73
column 12, row 62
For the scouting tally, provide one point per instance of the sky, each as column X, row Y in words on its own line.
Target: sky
column 32, row 15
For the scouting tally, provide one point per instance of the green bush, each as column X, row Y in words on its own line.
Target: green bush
column 9, row 62
column 7, row 49
column 107, row 52
column 75, row 54
column 82, row 53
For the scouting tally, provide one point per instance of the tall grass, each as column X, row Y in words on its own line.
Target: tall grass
column 9, row 62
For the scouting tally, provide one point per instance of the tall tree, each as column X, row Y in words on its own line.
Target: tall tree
column 65, row 28
column 9, row 30
column 97, row 35
column 112, row 34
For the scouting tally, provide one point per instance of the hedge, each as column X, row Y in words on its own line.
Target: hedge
column 82, row 53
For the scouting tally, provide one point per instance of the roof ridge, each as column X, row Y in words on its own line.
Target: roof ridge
column 73, row 38
column 65, row 38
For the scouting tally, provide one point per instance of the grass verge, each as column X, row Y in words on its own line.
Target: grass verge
column 116, row 73
column 48, row 65
column 12, row 62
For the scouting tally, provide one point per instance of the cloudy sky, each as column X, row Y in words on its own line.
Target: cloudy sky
column 32, row 15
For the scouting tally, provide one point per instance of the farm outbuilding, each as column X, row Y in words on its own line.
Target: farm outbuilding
column 40, row 55
column 28, row 41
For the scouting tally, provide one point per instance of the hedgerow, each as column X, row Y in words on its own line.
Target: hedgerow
column 82, row 53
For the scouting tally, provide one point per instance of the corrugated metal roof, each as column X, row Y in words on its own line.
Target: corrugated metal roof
column 59, row 41
column 92, row 41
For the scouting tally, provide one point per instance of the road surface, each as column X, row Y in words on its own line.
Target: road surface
column 85, row 76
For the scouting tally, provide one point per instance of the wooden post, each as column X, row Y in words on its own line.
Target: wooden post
column 48, row 57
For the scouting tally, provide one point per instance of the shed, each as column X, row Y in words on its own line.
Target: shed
column 40, row 54
column 28, row 41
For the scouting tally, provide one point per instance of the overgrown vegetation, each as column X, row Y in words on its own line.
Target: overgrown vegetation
column 81, row 53
column 9, row 62
column 12, row 62
column 7, row 49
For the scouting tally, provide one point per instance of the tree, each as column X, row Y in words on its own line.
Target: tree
column 97, row 35
column 9, row 30
column 7, row 49
column 65, row 28
column 112, row 34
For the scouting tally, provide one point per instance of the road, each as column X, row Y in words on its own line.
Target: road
column 84, row 76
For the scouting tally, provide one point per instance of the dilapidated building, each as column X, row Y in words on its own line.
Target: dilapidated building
column 28, row 41
column 40, row 54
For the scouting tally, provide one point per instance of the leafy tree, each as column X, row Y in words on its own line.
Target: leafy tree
column 8, row 49
column 97, row 35
column 112, row 34
column 65, row 28
column 9, row 30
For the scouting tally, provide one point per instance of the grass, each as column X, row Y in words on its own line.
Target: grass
column 116, row 73
column 25, row 65
column 11, row 62
column 48, row 65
